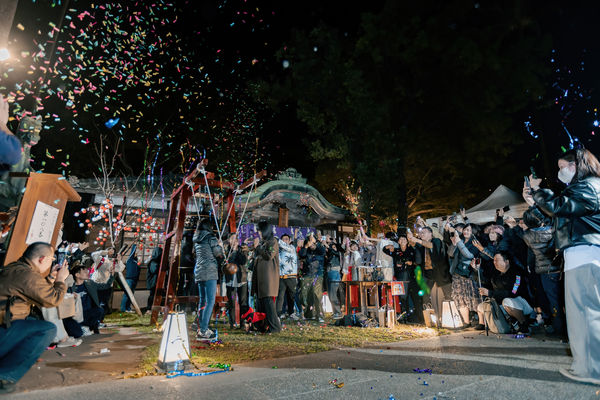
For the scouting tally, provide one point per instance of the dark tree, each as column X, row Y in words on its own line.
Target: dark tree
column 424, row 99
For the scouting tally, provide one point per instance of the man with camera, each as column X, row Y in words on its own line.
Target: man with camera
column 23, row 284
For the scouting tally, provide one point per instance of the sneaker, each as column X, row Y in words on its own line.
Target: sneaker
column 321, row 320
column 70, row 342
column 7, row 386
column 336, row 316
column 206, row 335
column 479, row 327
column 294, row 316
column 101, row 325
column 86, row 331
column 569, row 374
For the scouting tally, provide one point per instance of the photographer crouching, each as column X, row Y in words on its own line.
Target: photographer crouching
column 25, row 283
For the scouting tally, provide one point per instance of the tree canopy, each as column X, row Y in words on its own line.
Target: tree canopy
column 424, row 98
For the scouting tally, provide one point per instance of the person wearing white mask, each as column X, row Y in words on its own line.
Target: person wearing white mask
column 576, row 214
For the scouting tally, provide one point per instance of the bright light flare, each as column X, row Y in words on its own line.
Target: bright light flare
column 4, row 54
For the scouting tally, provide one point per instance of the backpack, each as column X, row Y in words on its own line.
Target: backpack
column 494, row 317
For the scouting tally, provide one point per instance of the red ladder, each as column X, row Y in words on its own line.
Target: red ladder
column 165, row 297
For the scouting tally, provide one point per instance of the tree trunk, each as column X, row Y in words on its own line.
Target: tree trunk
column 402, row 198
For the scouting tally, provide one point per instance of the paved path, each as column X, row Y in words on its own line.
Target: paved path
column 464, row 366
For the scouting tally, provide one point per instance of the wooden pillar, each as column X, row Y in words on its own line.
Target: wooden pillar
column 283, row 216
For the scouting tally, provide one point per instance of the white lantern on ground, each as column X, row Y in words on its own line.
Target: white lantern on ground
column 451, row 316
column 175, row 345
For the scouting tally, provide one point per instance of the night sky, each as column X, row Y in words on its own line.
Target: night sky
column 190, row 93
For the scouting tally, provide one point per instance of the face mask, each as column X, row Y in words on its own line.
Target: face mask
column 565, row 175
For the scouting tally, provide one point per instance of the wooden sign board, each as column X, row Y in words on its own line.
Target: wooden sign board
column 398, row 288
column 40, row 213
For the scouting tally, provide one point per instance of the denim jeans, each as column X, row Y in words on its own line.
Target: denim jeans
column 207, row 290
column 21, row 345
column 126, row 301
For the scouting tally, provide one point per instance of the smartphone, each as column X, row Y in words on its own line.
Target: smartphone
column 60, row 258
column 452, row 234
column 527, row 182
column 323, row 238
column 444, row 218
column 506, row 208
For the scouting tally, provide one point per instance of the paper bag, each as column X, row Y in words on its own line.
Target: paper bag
column 66, row 308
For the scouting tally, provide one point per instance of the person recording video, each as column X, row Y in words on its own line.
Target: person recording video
column 23, row 284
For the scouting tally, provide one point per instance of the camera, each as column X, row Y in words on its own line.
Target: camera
column 506, row 208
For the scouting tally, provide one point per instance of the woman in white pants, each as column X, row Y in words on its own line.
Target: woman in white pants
column 576, row 213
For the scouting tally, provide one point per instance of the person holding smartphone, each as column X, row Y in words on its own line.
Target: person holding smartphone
column 311, row 283
column 25, row 283
column 576, row 214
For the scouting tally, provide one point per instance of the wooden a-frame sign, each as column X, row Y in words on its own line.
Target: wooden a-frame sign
column 40, row 213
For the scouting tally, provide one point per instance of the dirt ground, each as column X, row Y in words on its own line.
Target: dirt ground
column 88, row 362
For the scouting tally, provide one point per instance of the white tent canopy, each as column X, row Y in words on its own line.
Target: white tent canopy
column 486, row 210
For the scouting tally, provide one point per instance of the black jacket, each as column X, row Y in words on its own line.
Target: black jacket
column 541, row 243
column 92, row 288
column 402, row 271
column 153, row 267
column 240, row 259
column 440, row 273
column 511, row 284
column 314, row 260
column 576, row 212
column 333, row 259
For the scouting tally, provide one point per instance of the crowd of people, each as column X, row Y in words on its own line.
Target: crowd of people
column 541, row 270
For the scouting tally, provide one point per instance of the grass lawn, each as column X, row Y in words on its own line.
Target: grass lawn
column 236, row 346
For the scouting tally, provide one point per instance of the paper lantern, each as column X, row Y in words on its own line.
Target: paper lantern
column 174, row 345
column 450, row 316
